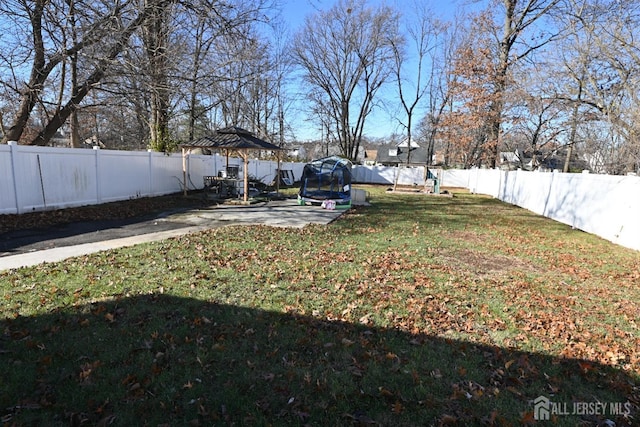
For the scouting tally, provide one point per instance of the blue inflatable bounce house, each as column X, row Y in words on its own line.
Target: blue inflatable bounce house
column 326, row 182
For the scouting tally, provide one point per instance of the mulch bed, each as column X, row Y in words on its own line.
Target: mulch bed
column 115, row 210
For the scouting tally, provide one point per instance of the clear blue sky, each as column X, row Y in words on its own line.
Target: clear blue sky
column 380, row 123
column 294, row 11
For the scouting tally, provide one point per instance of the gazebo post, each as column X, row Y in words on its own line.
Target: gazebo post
column 245, row 157
column 278, row 174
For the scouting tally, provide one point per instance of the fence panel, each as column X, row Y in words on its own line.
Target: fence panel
column 529, row 190
column 123, row 175
column 263, row 170
column 199, row 166
column 455, row 178
column 7, row 185
column 599, row 204
column 386, row 175
column 604, row 205
column 165, row 174
column 27, row 179
column 295, row 167
column 67, row 183
column 45, row 178
column 485, row 181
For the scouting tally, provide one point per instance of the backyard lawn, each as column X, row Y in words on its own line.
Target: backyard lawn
column 416, row 310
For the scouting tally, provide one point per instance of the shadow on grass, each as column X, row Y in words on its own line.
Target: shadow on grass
column 164, row 360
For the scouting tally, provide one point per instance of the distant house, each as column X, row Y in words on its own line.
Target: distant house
column 406, row 143
column 406, row 153
column 544, row 162
column 512, row 160
column 60, row 139
column 63, row 140
column 93, row 141
column 298, row 152
column 370, row 157
column 395, row 156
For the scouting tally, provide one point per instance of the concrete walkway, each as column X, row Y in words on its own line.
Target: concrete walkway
column 282, row 213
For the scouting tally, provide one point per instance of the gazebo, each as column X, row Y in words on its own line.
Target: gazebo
column 231, row 139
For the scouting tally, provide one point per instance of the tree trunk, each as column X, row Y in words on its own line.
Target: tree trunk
column 37, row 78
column 156, row 40
column 80, row 92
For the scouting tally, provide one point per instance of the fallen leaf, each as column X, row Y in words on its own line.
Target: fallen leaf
column 384, row 392
column 527, row 418
column 347, row 342
column 448, row 420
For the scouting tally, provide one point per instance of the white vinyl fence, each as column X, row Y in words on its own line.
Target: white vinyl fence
column 386, row 175
column 605, row 205
column 41, row 178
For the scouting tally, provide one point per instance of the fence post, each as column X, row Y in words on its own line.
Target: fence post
column 13, row 145
column 150, row 172
column 96, row 152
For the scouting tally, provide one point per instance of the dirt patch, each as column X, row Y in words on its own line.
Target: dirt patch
column 418, row 190
column 485, row 264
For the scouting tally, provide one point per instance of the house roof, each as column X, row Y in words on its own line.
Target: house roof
column 418, row 155
column 408, row 142
column 232, row 138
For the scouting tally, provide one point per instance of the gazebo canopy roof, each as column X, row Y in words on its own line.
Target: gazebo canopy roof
column 232, row 138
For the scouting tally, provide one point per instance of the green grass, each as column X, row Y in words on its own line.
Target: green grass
column 416, row 310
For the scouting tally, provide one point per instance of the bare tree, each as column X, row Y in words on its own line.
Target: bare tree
column 99, row 47
column 156, row 31
column 346, row 56
column 282, row 67
column 517, row 17
column 413, row 85
column 441, row 81
column 49, row 52
column 605, row 65
column 221, row 53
